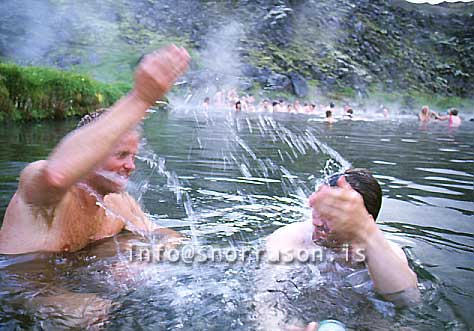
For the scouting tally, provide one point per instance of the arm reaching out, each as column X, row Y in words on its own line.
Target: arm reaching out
column 45, row 182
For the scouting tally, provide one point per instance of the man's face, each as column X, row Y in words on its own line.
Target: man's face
column 321, row 230
column 113, row 174
column 321, row 233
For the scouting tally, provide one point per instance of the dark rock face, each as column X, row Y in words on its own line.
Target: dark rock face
column 278, row 82
column 339, row 45
column 300, row 86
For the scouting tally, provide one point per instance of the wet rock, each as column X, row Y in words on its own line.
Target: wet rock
column 249, row 70
column 300, row 86
column 278, row 82
column 263, row 75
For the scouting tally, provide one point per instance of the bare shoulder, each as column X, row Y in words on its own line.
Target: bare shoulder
column 30, row 171
column 36, row 186
column 292, row 236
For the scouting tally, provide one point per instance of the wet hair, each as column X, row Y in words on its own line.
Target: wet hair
column 92, row 117
column 206, row 99
column 453, row 111
column 328, row 113
column 331, row 105
column 89, row 118
column 274, row 103
column 350, row 111
column 365, row 184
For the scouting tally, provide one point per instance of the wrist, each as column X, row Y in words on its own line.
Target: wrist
column 368, row 236
column 138, row 99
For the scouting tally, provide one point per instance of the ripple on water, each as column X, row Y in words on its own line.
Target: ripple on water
column 446, row 171
column 433, row 189
column 461, row 161
column 384, row 162
column 448, row 150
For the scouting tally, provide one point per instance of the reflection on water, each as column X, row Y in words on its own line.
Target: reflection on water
column 230, row 181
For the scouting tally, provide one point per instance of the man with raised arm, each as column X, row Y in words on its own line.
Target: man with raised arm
column 77, row 195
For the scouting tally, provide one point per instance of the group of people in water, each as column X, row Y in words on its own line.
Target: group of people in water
column 230, row 99
column 56, row 209
column 426, row 115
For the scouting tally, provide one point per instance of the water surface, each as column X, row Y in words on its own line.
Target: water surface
column 229, row 181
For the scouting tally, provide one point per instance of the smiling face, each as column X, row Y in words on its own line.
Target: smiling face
column 113, row 174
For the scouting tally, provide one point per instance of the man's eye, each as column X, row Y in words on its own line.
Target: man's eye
column 122, row 155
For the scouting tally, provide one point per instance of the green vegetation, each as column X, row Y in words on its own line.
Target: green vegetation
column 34, row 93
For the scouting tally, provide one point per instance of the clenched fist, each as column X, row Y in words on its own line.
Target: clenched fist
column 339, row 213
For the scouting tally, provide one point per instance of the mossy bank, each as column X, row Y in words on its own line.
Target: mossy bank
column 33, row 93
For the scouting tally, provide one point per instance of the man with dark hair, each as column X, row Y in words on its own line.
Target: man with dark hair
column 329, row 118
column 77, row 195
column 452, row 117
column 344, row 211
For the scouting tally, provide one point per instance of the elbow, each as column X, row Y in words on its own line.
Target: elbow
column 54, row 179
column 409, row 297
column 408, row 294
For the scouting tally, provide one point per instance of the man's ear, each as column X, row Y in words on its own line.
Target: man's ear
column 371, row 218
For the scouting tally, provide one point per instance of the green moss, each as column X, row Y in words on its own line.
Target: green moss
column 31, row 93
column 346, row 92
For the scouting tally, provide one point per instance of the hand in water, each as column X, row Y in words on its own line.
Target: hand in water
column 158, row 71
column 341, row 212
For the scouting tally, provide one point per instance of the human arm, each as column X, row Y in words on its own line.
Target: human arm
column 125, row 207
column 83, row 149
column 442, row 118
column 388, row 267
column 349, row 221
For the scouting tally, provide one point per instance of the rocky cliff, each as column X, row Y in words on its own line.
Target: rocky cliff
column 354, row 48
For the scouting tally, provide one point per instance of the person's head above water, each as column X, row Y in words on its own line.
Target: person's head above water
column 362, row 181
column 113, row 173
column 328, row 113
column 453, row 111
column 238, row 106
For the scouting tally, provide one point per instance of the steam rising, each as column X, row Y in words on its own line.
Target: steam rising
column 27, row 32
column 221, row 57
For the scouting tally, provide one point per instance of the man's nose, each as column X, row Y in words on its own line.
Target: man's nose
column 129, row 164
column 316, row 218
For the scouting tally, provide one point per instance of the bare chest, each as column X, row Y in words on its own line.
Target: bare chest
column 79, row 222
